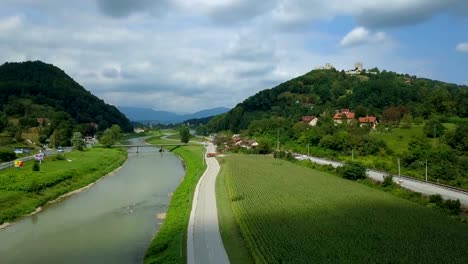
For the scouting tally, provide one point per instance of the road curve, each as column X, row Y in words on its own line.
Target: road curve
column 204, row 243
column 412, row 184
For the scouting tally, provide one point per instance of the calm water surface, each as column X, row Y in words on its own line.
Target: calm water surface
column 111, row 222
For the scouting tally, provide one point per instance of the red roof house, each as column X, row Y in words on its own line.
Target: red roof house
column 343, row 114
column 311, row 120
column 368, row 120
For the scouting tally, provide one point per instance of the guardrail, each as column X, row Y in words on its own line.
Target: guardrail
column 394, row 175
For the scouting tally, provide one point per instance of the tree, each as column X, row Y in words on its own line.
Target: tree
column 353, row 171
column 110, row 136
column 77, row 141
column 407, row 121
column 434, row 128
column 7, row 155
column 184, row 134
column 360, row 111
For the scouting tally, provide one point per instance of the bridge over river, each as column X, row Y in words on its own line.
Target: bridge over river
column 138, row 146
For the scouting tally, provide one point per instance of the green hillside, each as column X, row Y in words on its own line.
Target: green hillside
column 40, row 99
column 417, row 120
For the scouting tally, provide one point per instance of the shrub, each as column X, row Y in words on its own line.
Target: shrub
column 7, row 155
column 453, row 206
column 36, row 166
column 436, row 199
column 387, row 180
column 353, row 171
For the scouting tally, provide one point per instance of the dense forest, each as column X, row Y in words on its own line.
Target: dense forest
column 39, row 98
column 433, row 114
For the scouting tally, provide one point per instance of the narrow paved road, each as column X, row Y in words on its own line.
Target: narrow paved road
column 415, row 185
column 204, row 243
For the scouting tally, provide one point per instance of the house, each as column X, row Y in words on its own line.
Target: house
column 343, row 115
column 138, row 130
column 370, row 121
column 236, row 138
column 248, row 144
column 311, row 120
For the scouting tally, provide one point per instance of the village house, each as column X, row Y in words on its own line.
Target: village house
column 343, row 115
column 370, row 121
column 138, row 130
column 248, row 144
column 311, row 120
column 236, row 138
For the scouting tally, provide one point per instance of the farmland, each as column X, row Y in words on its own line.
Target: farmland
column 21, row 191
column 291, row 214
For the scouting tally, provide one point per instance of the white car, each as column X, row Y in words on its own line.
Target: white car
column 18, row 151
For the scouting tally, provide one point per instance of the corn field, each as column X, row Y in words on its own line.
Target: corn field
column 291, row 214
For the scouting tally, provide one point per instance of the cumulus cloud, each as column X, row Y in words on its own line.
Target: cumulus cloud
column 462, row 47
column 198, row 52
column 361, row 35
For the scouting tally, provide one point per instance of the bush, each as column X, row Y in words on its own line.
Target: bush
column 353, row 171
column 387, row 180
column 436, row 199
column 7, row 155
column 36, row 166
column 453, row 206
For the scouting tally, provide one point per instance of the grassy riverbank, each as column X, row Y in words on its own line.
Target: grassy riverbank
column 288, row 213
column 169, row 245
column 22, row 191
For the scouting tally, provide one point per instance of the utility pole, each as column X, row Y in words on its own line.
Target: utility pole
column 352, row 154
column 399, row 175
column 426, row 169
column 308, row 152
column 277, row 140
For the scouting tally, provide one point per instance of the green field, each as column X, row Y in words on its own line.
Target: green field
column 292, row 214
column 169, row 245
column 22, row 191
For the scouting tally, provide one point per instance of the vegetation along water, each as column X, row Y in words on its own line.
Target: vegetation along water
column 111, row 222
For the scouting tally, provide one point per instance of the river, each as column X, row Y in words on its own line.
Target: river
column 111, row 222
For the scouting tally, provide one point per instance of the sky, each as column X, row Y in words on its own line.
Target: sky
column 185, row 56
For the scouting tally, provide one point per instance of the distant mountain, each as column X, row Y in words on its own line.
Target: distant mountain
column 148, row 114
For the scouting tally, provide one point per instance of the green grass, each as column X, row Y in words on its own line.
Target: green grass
column 192, row 139
column 169, row 245
column 230, row 232
column 292, row 214
column 22, row 191
column 398, row 139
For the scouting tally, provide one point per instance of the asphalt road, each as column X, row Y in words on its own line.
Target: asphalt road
column 204, row 243
column 415, row 185
column 48, row 152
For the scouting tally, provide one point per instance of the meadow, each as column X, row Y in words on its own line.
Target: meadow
column 286, row 213
column 22, row 191
column 170, row 243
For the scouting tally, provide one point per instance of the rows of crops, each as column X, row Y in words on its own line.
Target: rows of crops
column 291, row 214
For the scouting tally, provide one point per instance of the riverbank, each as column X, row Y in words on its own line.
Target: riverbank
column 24, row 192
column 169, row 244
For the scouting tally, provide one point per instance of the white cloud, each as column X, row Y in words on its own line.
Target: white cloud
column 361, row 35
column 462, row 47
column 203, row 53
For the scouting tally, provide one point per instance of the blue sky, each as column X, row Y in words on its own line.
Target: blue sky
column 185, row 56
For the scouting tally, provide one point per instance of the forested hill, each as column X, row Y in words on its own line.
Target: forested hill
column 386, row 95
column 31, row 90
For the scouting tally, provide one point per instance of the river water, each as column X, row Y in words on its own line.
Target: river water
column 111, row 222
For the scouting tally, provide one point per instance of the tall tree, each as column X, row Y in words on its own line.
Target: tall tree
column 184, row 134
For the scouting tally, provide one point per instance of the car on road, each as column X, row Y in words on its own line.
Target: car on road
column 60, row 149
column 18, row 151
